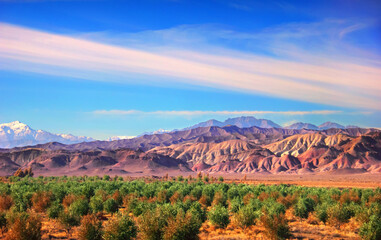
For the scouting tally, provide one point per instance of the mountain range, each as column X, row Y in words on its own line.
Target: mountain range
column 227, row 149
column 17, row 134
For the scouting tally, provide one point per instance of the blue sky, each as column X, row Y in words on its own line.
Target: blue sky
column 106, row 68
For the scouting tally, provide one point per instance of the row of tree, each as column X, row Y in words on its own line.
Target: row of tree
column 175, row 209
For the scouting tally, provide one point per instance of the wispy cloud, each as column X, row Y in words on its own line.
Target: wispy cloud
column 199, row 113
column 305, row 77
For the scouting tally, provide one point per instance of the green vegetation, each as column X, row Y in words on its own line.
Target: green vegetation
column 175, row 208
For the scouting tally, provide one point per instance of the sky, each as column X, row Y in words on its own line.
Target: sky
column 120, row 68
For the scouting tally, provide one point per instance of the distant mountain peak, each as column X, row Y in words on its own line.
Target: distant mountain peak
column 14, row 124
column 302, row 125
column 17, row 134
column 241, row 122
column 328, row 125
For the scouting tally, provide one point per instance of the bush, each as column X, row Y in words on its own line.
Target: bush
column 183, row 226
column 6, row 202
column 111, row 205
column 3, row 222
column 151, row 224
column 79, row 207
column 371, row 230
column 219, row 199
column 55, row 210
column 339, row 214
column 68, row 220
column 246, row 216
column 235, row 204
column 41, row 201
column 117, row 197
column 120, row 227
column 90, row 228
column 276, row 226
column 175, row 197
column 321, row 212
column 69, row 199
column 272, row 207
column 96, row 204
column 162, row 196
column 198, row 211
column 219, row 216
column 303, row 207
column 25, row 226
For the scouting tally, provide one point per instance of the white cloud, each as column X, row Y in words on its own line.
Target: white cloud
column 195, row 113
column 302, row 76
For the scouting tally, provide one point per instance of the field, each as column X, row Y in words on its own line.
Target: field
column 194, row 207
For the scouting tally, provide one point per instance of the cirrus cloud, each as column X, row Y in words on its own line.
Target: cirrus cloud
column 311, row 79
column 195, row 113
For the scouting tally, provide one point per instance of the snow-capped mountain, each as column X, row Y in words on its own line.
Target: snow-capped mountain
column 114, row 138
column 17, row 134
column 159, row 131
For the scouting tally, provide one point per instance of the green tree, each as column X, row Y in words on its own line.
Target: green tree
column 120, row 227
column 219, row 216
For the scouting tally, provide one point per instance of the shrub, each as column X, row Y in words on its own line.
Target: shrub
column 339, row 214
column 68, row 220
column 321, row 212
column 233, row 193
column 111, row 205
column 117, row 197
column 196, row 192
column 90, row 228
column 6, row 202
column 41, row 201
column 54, row 210
column 69, row 199
column 79, row 207
column 120, row 227
column 219, row 199
column 151, row 224
column 276, row 226
column 235, row 204
column 198, row 211
column 246, row 199
column 3, row 222
column 303, row 207
column 371, row 230
column 246, row 216
column 204, row 201
column 288, row 200
column 25, row 226
column 162, row 196
column 183, row 226
column 96, row 204
column 175, row 197
column 88, row 191
column 272, row 207
column 219, row 216
column 26, row 173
